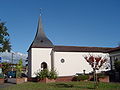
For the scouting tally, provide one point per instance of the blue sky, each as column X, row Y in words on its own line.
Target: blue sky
column 66, row 22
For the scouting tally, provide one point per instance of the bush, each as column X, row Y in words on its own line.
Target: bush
column 52, row 74
column 42, row 74
column 117, row 65
column 1, row 75
column 101, row 75
column 18, row 74
column 46, row 74
column 81, row 77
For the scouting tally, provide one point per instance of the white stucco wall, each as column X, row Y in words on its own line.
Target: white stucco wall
column 74, row 62
column 39, row 55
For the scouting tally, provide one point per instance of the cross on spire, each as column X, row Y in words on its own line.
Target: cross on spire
column 40, row 11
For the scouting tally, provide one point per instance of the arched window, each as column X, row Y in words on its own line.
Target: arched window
column 44, row 65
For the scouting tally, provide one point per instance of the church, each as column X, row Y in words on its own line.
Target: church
column 66, row 60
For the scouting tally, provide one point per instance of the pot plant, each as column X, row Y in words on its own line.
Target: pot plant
column 46, row 76
column 19, row 79
column 102, row 77
column 1, row 78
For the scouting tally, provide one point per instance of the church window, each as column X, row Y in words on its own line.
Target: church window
column 44, row 65
column 62, row 60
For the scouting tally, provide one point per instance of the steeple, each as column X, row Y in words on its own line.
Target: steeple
column 41, row 39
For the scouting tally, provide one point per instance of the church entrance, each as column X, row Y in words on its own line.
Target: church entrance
column 44, row 65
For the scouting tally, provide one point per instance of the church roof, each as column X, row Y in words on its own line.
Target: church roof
column 41, row 39
column 113, row 49
column 80, row 49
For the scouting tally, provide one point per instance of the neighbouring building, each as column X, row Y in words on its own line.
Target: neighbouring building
column 114, row 56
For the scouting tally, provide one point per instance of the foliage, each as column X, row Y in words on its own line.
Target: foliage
column 45, row 73
column 81, row 77
column 117, row 65
column 19, row 68
column 101, row 75
column 4, row 38
column 5, row 67
column 42, row 74
column 1, row 75
column 52, row 74
column 18, row 74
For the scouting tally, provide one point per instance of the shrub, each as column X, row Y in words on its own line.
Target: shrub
column 18, row 74
column 1, row 75
column 52, row 74
column 117, row 65
column 80, row 77
column 101, row 75
column 46, row 74
column 42, row 74
column 19, row 68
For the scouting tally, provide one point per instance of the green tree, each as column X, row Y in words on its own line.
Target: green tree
column 117, row 65
column 19, row 68
column 4, row 38
column 6, row 67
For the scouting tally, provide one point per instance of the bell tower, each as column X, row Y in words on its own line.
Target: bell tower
column 39, row 51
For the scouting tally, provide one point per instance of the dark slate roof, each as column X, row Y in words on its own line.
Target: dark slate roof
column 113, row 49
column 41, row 39
column 80, row 49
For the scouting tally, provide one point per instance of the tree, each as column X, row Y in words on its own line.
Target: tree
column 96, row 63
column 117, row 65
column 19, row 68
column 5, row 67
column 4, row 38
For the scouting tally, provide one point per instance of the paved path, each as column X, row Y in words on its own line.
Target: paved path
column 6, row 85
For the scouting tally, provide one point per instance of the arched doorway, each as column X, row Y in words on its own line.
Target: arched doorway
column 44, row 65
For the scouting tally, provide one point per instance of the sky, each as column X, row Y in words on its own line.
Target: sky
column 93, row 23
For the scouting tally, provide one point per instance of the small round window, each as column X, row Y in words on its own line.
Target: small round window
column 62, row 60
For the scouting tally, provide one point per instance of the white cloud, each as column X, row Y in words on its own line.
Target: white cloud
column 7, row 57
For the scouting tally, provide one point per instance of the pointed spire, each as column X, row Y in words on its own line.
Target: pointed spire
column 41, row 39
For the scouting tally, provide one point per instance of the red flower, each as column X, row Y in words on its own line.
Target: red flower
column 97, row 59
column 91, row 59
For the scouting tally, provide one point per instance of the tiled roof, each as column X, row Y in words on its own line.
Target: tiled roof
column 113, row 49
column 80, row 49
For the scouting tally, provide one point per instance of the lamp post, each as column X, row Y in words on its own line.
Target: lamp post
column 12, row 60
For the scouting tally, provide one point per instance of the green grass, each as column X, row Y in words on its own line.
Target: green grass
column 63, row 86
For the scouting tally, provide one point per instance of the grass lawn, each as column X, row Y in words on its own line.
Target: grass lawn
column 63, row 86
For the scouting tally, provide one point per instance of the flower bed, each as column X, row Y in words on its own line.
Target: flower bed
column 1, row 80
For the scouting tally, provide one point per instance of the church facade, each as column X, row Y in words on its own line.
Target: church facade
column 66, row 60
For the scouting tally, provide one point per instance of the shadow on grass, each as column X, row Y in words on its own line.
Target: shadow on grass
column 84, row 87
column 64, row 85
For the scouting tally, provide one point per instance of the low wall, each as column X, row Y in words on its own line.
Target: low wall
column 17, row 80
column 64, row 79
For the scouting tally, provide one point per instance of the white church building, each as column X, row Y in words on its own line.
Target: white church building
column 66, row 60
